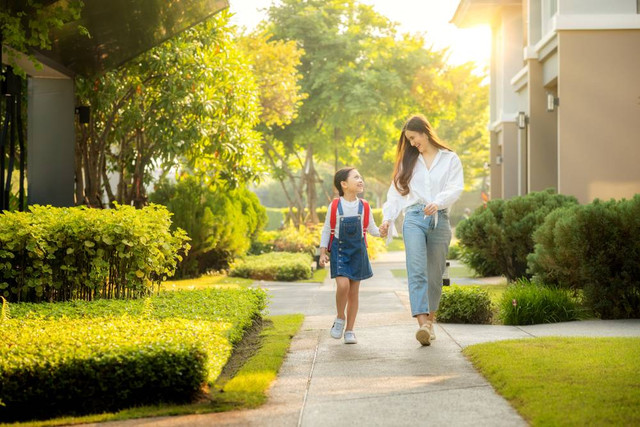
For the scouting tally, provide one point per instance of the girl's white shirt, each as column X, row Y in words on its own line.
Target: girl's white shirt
column 442, row 184
column 348, row 209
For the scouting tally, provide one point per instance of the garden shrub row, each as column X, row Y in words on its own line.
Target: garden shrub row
column 92, row 356
column 497, row 239
column 57, row 254
column 281, row 266
column 596, row 248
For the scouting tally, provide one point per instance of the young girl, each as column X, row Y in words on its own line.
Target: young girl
column 346, row 242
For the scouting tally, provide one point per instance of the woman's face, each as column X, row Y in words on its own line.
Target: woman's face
column 354, row 182
column 417, row 139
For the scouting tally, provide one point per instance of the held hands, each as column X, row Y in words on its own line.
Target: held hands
column 430, row 209
column 384, row 228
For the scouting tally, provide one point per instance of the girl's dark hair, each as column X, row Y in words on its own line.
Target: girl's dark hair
column 341, row 175
column 407, row 154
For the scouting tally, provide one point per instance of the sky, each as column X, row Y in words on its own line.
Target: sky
column 425, row 16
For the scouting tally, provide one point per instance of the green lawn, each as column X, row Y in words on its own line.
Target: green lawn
column 245, row 388
column 565, row 381
column 318, row 276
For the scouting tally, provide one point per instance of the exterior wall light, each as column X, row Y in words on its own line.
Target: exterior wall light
column 552, row 102
column 522, row 120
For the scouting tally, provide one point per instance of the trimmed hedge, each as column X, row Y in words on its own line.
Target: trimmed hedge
column 465, row 304
column 282, row 266
column 62, row 366
column 79, row 357
column 57, row 254
column 497, row 239
column 524, row 303
column 596, row 248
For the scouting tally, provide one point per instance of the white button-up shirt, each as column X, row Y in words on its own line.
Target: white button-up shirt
column 442, row 185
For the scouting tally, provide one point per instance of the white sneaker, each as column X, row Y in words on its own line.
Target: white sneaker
column 432, row 333
column 336, row 329
column 350, row 337
column 423, row 335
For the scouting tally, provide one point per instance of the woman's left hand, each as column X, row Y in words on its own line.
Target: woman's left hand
column 430, row 209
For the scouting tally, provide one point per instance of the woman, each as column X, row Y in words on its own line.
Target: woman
column 427, row 180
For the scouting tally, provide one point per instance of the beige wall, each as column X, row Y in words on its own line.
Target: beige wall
column 543, row 136
column 495, row 169
column 599, row 114
column 508, row 140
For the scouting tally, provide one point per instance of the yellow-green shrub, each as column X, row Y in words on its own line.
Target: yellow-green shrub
column 93, row 356
column 57, row 254
column 282, row 266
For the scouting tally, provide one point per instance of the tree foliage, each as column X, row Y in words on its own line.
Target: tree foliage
column 189, row 103
column 363, row 80
column 29, row 24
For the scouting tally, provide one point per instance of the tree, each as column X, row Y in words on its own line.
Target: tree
column 189, row 103
column 274, row 64
column 343, row 67
column 28, row 25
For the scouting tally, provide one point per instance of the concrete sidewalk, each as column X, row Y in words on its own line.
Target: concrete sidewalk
column 387, row 379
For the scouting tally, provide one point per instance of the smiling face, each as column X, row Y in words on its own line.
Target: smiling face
column 354, row 183
column 417, row 139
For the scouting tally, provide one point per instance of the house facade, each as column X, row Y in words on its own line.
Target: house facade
column 565, row 95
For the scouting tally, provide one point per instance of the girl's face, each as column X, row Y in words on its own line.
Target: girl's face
column 417, row 139
column 354, row 182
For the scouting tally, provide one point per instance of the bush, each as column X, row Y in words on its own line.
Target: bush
column 496, row 240
column 465, row 304
column 221, row 223
column 454, row 252
column 57, row 254
column 79, row 357
column 289, row 239
column 283, row 266
column 524, row 303
column 596, row 248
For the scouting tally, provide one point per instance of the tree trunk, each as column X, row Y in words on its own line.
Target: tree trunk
column 310, row 179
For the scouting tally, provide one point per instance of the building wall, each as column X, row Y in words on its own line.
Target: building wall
column 542, row 134
column 599, row 114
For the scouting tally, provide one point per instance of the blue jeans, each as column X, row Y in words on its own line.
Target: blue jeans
column 426, row 251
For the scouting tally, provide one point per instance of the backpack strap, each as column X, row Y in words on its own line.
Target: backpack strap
column 332, row 220
column 365, row 220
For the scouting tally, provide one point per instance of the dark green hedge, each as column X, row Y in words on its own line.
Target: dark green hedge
column 596, row 248
column 57, row 254
column 497, row 239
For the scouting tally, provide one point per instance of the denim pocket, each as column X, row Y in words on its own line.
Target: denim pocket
column 350, row 229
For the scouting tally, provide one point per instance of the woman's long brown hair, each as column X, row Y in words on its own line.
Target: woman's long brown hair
column 407, row 154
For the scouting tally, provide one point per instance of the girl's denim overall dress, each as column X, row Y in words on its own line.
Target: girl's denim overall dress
column 349, row 256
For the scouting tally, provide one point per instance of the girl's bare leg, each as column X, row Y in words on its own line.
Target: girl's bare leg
column 352, row 307
column 342, row 295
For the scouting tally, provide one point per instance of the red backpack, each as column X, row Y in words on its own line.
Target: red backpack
column 334, row 214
